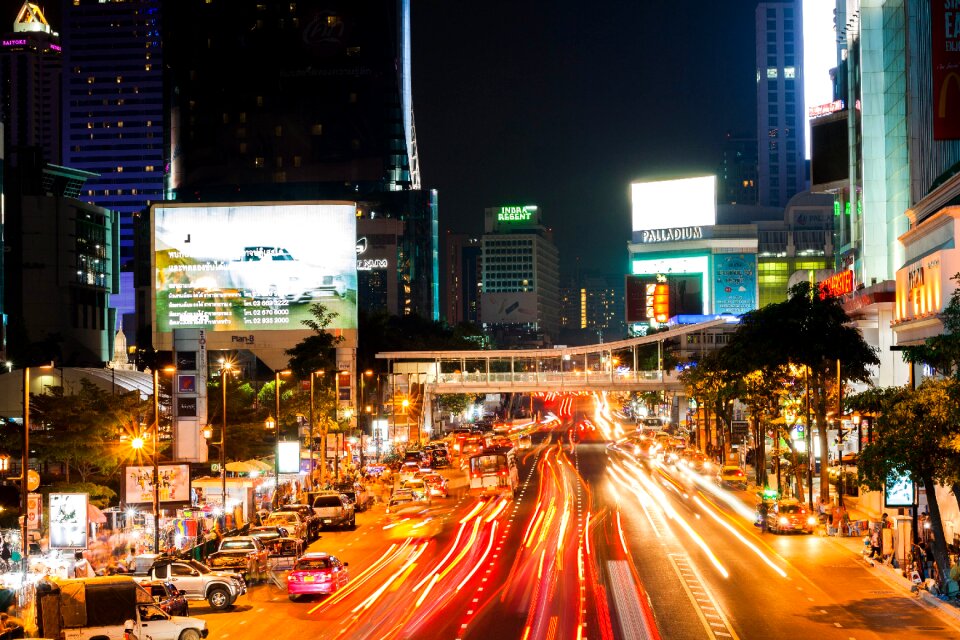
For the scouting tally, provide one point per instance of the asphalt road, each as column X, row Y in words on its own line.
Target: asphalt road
column 598, row 544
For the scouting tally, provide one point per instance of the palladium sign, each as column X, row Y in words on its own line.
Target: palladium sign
column 672, row 234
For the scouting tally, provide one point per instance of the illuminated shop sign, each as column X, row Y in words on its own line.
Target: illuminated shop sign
column 920, row 287
column 673, row 234
column 516, row 214
column 371, row 264
column 826, row 109
column 837, row 285
column 19, row 42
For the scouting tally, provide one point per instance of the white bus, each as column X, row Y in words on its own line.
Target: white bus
column 494, row 472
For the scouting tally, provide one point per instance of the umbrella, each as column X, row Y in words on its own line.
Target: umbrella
column 240, row 467
column 95, row 515
column 260, row 465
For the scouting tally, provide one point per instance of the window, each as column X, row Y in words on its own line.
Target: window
column 771, row 73
column 771, row 85
column 180, row 570
column 258, row 162
column 772, row 133
column 772, row 121
column 771, row 25
column 790, row 72
column 771, row 61
column 771, row 49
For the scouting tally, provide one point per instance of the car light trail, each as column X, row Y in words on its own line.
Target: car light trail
column 740, row 537
column 450, row 551
column 493, row 531
column 463, row 552
column 623, row 542
column 496, row 512
column 392, row 552
column 476, row 509
column 376, row 594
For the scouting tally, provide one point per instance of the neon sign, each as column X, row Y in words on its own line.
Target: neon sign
column 672, row 234
column 837, row 285
column 826, row 109
column 516, row 214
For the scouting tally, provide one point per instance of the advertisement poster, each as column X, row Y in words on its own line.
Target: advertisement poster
column 174, row 484
column 519, row 307
column 34, row 511
column 735, row 283
column 289, row 457
column 945, row 63
column 68, row 520
column 898, row 491
column 187, row 384
column 254, row 266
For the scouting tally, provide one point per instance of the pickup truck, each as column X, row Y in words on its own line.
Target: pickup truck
column 198, row 582
column 241, row 554
column 335, row 510
column 111, row 608
column 357, row 494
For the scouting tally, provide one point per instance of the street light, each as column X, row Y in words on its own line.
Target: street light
column 406, row 416
column 24, row 467
column 156, row 456
column 276, row 452
column 225, row 368
column 323, row 444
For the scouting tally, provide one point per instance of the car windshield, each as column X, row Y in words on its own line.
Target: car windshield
column 312, row 564
column 283, row 517
column 790, row 508
column 327, row 501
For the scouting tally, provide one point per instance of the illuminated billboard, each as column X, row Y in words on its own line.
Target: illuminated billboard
column 174, row 485
column 654, row 298
column 675, row 204
column 68, row 520
column 253, row 266
column 288, row 457
column 735, row 283
column 689, row 277
column 518, row 307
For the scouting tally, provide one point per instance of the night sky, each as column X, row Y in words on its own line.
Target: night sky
column 563, row 104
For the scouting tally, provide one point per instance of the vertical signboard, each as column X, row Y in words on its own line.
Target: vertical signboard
column 945, row 60
column 735, row 283
column 34, row 511
column 68, row 520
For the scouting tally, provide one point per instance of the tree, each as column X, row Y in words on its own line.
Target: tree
column 315, row 352
column 809, row 330
column 455, row 403
column 714, row 386
column 912, row 436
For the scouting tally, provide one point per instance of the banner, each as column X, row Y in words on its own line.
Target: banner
column 945, row 60
column 174, row 484
column 68, row 521
column 34, row 511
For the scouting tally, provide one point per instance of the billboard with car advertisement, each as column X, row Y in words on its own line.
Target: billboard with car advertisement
column 253, row 266
column 515, row 307
column 174, row 484
column 68, row 520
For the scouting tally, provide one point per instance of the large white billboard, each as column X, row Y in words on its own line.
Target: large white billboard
column 686, row 202
column 68, row 520
column 253, row 266
column 518, row 307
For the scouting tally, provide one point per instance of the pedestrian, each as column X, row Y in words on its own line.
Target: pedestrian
column 836, row 527
column 81, row 567
column 762, row 515
column 876, row 538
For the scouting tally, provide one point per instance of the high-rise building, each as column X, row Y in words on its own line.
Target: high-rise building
column 30, row 68
column 113, row 109
column 591, row 309
column 884, row 146
column 781, row 169
column 520, row 298
column 737, row 180
column 463, row 278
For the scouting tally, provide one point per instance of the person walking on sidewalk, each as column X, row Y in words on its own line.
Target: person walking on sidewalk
column 876, row 540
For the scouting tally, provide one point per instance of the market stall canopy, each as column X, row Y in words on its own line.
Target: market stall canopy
column 240, row 467
column 260, row 465
column 95, row 515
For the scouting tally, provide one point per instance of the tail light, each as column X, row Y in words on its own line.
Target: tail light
column 293, row 577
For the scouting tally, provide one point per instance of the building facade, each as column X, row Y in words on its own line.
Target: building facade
column 520, row 298
column 30, row 69
column 462, row 279
column 591, row 309
column 737, row 178
column 781, row 169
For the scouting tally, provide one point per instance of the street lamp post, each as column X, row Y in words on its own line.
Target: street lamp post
column 225, row 368
column 360, row 415
column 24, row 467
column 276, row 452
column 156, row 456
column 406, row 417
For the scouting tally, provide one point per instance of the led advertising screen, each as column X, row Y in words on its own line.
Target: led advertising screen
column 174, row 483
column 687, row 202
column 898, row 491
column 683, row 295
column 288, row 457
column 254, row 266
column 689, row 276
column 68, row 520
column 734, row 283
column 829, row 148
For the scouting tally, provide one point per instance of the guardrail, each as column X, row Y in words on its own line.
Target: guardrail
column 557, row 379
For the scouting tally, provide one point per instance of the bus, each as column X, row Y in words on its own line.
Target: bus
column 494, row 472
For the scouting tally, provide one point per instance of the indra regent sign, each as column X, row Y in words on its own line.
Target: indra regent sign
column 516, row 214
column 672, row 234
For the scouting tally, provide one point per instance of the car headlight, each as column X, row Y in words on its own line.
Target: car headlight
column 783, row 520
column 811, row 521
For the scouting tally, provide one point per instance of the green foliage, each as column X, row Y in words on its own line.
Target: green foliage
column 455, row 403
column 100, row 496
column 315, row 352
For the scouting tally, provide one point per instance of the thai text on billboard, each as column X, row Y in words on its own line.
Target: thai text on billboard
column 945, row 60
column 174, row 485
column 735, row 283
column 254, row 266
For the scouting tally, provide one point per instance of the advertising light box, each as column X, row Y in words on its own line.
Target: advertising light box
column 517, row 307
column 694, row 299
column 68, row 520
column 288, row 457
column 687, row 202
column 174, row 484
column 735, row 283
column 254, row 266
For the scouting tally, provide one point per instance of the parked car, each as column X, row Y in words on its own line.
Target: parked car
column 198, row 582
column 409, row 470
column 400, row 498
column 168, row 597
column 357, row 493
column 316, row 573
column 277, row 542
column 335, row 510
column 289, row 520
column 245, row 555
column 309, row 517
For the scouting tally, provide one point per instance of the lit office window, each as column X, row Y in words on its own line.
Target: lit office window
column 771, row 72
